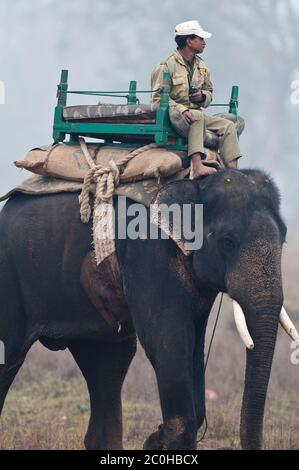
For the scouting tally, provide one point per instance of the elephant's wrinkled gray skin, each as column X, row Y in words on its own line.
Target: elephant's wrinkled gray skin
column 169, row 295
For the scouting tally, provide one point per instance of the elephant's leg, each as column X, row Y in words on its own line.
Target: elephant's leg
column 104, row 366
column 7, row 375
column 155, row 440
column 14, row 343
column 171, row 350
column 16, row 336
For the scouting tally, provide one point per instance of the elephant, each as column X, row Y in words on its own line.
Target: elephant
column 168, row 292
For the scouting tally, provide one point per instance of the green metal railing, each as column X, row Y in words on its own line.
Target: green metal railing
column 160, row 132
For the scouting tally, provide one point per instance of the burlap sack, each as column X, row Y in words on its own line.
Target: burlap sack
column 68, row 162
column 58, row 160
column 152, row 164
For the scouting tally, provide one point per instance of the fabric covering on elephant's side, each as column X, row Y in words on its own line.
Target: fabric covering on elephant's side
column 141, row 191
column 38, row 185
column 104, row 288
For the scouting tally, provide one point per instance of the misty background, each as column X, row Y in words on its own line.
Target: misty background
column 106, row 44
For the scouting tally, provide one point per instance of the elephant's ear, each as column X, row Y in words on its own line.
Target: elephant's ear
column 268, row 190
column 175, row 210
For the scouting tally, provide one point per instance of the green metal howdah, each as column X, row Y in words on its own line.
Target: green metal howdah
column 124, row 134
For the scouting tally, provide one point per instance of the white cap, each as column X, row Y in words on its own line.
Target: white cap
column 191, row 27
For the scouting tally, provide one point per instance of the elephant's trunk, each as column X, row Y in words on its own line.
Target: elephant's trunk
column 258, row 368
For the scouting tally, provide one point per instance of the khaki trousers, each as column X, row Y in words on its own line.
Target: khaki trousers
column 228, row 140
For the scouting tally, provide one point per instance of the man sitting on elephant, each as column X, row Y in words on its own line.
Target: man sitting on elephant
column 191, row 90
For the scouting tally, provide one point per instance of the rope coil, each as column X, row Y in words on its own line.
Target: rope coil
column 106, row 178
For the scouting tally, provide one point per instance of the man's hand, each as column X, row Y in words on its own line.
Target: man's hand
column 188, row 116
column 197, row 97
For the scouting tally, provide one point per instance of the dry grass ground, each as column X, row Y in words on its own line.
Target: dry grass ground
column 47, row 406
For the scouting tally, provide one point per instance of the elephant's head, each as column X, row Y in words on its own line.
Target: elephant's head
column 243, row 234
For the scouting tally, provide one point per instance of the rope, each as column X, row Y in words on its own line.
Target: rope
column 206, row 363
column 106, row 178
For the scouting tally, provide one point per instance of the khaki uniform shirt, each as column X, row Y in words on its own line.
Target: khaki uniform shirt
column 180, row 81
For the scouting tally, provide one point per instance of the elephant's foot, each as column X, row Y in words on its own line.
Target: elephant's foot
column 154, row 440
column 175, row 434
column 95, row 440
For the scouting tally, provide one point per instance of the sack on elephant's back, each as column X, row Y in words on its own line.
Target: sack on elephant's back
column 69, row 163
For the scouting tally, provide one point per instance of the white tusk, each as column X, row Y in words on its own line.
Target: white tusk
column 288, row 325
column 241, row 325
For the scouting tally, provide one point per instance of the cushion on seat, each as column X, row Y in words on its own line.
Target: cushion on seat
column 141, row 113
column 111, row 111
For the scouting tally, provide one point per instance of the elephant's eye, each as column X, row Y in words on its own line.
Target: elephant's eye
column 228, row 243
